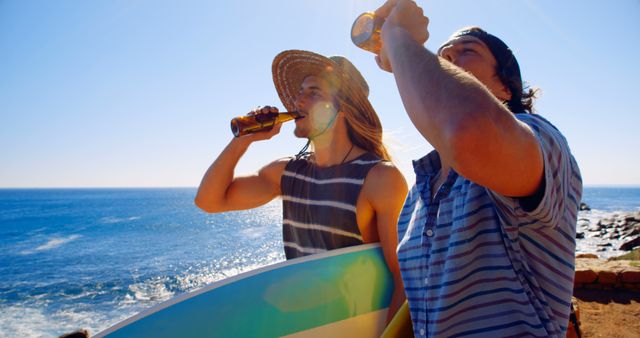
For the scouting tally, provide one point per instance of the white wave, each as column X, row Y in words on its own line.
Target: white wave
column 33, row 321
column 20, row 321
column 113, row 220
column 52, row 244
column 158, row 289
column 152, row 290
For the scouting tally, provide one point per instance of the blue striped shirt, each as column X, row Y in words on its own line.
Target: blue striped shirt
column 476, row 263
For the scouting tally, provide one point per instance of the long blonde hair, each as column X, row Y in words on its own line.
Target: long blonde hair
column 363, row 125
column 364, row 129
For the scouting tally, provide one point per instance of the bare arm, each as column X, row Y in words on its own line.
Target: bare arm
column 386, row 190
column 465, row 123
column 220, row 191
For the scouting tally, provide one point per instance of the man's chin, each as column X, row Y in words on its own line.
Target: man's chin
column 300, row 133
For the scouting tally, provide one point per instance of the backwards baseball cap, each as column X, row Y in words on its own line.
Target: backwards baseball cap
column 507, row 66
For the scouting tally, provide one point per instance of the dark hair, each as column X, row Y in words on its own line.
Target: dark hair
column 507, row 68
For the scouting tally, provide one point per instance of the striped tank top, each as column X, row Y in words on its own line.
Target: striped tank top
column 319, row 204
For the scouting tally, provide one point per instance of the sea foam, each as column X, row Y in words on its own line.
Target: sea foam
column 52, row 243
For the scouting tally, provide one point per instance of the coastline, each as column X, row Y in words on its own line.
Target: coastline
column 606, row 234
column 146, row 245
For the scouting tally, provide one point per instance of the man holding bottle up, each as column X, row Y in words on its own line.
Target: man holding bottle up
column 487, row 234
column 346, row 191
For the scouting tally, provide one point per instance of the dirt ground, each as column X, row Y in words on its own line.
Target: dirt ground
column 611, row 314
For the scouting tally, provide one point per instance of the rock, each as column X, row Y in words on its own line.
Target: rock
column 626, row 227
column 628, row 246
column 631, row 286
column 607, row 277
column 579, row 235
column 605, row 245
column 583, row 224
column 585, row 277
column 593, row 228
column 587, row 255
column 584, row 206
column 605, row 223
column 630, row 277
column 614, row 235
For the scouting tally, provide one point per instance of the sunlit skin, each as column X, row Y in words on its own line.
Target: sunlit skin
column 473, row 55
column 381, row 197
column 316, row 104
column 456, row 103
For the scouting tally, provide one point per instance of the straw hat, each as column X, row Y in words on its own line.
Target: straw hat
column 291, row 67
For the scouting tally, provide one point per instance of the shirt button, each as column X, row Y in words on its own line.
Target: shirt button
column 429, row 232
column 422, row 332
column 426, row 281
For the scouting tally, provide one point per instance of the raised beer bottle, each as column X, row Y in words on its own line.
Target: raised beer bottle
column 243, row 125
column 365, row 32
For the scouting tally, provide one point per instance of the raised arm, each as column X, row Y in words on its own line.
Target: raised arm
column 471, row 130
column 386, row 190
column 220, row 191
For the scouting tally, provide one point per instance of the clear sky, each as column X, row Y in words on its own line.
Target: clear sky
column 140, row 93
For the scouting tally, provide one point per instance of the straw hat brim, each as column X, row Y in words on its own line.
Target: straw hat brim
column 291, row 67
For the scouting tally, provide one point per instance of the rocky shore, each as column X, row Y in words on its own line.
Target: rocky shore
column 607, row 278
column 607, row 234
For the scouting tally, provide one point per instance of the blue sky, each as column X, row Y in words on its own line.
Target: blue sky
column 140, row 93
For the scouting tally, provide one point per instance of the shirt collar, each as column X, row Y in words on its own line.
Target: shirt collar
column 428, row 165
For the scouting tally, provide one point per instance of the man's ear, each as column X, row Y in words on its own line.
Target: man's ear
column 504, row 93
column 336, row 104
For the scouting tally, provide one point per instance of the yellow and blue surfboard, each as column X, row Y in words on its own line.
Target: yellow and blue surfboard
column 340, row 293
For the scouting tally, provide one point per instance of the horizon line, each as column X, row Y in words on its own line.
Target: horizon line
column 195, row 187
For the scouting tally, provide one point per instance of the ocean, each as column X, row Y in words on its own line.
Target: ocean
column 88, row 258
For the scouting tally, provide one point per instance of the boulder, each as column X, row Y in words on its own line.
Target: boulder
column 593, row 228
column 583, row 223
column 584, row 206
column 630, row 277
column 629, row 245
column 585, row 277
column 614, row 235
column 607, row 277
column 605, row 223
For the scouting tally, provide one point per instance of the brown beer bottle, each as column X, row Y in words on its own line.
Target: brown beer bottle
column 365, row 32
column 243, row 125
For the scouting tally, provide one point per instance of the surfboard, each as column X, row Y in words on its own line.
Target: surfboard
column 340, row 293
